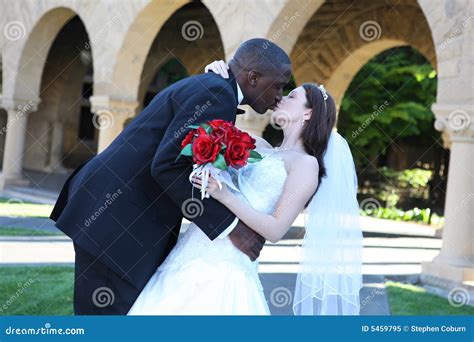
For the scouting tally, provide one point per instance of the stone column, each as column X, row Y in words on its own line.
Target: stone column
column 252, row 122
column 56, row 148
column 454, row 266
column 110, row 116
column 15, row 130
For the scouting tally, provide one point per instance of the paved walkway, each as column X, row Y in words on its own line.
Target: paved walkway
column 389, row 250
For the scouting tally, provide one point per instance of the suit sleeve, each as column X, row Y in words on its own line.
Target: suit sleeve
column 173, row 175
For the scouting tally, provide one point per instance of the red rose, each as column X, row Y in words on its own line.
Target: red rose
column 247, row 139
column 205, row 150
column 237, row 153
column 215, row 124
column 188, row 139
column 220, row 129
column 235, row 133
column 219, row 135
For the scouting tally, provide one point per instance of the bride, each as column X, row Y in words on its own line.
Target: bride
column 312, row 169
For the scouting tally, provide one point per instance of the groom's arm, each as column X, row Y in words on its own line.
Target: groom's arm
column 172, row 175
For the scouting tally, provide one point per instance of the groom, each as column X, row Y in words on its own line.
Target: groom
column 123, row 208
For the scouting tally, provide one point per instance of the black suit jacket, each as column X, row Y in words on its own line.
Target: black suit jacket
column 124, row 205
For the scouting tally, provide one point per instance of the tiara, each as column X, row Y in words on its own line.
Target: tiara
column 323, row 91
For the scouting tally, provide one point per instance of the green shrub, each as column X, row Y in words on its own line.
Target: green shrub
column 412, row 215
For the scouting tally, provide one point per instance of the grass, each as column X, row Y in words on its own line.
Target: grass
column 18, row 208
column 408, row 300
column 16, row 231
column 46, row 290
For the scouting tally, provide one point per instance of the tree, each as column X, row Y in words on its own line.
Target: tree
column 389, row 100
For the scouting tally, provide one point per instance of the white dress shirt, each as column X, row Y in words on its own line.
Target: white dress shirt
column 225, row 233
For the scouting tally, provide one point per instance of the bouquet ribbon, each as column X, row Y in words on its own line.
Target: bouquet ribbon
column 207, row 170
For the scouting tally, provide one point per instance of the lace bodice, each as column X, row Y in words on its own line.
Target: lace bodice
column 260, row 184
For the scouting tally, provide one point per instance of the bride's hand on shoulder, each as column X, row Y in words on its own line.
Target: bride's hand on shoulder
column 218, row 67
column 219, row 193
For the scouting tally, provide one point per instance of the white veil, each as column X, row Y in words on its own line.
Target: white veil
column 330, row 274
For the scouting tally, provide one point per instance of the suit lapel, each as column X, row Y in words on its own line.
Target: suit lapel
column 233, row 82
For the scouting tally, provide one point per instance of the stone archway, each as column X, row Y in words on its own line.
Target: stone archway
column 23, row 88
column 134, row 49
column 334, row 45
column 329, row 42
column 61, row 134
column 160, row 31
column 197, row 44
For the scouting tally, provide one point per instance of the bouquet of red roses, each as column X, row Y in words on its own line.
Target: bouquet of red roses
column 215, row 146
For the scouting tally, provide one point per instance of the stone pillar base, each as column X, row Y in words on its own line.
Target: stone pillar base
column 453, row 282
column 59, row 169
column 6, row 181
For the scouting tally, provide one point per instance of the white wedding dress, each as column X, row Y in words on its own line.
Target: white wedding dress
column 204, row 277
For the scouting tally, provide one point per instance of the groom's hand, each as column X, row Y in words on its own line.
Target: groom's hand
column 247, row 240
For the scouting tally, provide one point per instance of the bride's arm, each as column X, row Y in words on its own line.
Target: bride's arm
column 299, row 186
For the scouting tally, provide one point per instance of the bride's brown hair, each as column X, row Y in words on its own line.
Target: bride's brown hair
column 318, row 128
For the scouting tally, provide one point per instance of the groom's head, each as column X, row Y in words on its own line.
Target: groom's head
column 262, row 69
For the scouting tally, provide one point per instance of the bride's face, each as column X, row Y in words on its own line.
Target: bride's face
column 292, row 108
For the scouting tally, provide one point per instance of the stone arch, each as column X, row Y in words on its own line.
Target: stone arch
column 290, row 22
column 55, row 132
column 192, row 52
column 131, row 58
column 150, row 76
column 342, row 76
column 325, row 45
column 30, row 66
column 159, row 25
column 344, row 45
column 32, row 139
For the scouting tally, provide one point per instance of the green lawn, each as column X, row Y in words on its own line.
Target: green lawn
column 411, row 300
column 9, row 231
column 18, row 208
column 48, row 290
column 44, row 290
